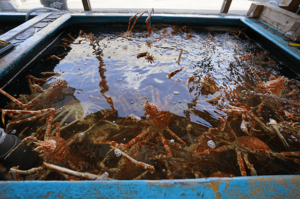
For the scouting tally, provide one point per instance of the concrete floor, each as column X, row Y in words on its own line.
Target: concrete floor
column 238, row 7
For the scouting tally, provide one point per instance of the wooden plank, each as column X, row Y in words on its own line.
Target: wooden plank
column 279, row 18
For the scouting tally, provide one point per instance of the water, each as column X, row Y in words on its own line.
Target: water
column 103, row 72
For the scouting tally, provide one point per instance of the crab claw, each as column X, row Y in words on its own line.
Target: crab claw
column 274, row 126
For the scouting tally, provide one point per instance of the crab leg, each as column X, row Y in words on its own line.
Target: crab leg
column 240, row 162
column 273, row 124
column 292, row 116
column 175, row 136
column 243, row 125
column 17, row 101
column 24, row 172
column 179, row 57
column 171, row 74
column 188, row 132
column 249, row 165
column 138, row 163
column 129, row 23
column 89, row 176
column 6, row 174
column 37, row 79
column 136, row 21
column 137, row 138
column 112, row 143
column 165, row 143
column 142, row 176
column 169, row 173
column 147, row 22
column 140, row 144
column 71, row 140
column 25, row 140
column 220, row 149
column 50, row 73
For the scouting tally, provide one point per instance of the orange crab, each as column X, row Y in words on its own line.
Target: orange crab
column 246, row 145
column 53, row 150
column 206, row 84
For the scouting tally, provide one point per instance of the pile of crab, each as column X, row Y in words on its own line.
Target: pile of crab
column 256, row 124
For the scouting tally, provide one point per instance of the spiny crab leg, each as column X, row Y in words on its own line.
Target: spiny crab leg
column 175, row 136
column 129, row 23
column 28, row 139
column 143, row 165
column 147, row 21
column 136, row 21
column 63, row 170
column 50, row 73
column 171, row 74
column 165, row 143
column 25, row 172
column 17, row 101
column 37, row 79
column 38, row 114
column 179, row 57
column 274, row 124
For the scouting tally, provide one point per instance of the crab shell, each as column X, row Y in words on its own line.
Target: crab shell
column 275, row 86
column 56, row 150
column 252, row 145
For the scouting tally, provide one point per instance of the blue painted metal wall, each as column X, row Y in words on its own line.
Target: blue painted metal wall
column 238, row 187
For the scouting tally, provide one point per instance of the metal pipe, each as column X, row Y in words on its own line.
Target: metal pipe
column 40, row 8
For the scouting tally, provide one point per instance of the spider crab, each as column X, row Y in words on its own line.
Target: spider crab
column 246, row 145
column 246, row 113
column 45, row 99
column 156, row 123
column 206, row 84
column 271, row 92
column 53, row 150
column 128, row 33
column 78, row 110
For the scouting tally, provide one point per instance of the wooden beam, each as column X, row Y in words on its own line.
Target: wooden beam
column 294, row 32
column 279, row 18
column 290, row 5
column 225, row 6
column 255, row 10
column 86, row 5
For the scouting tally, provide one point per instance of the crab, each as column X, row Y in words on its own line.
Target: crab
column 246, row 145
column 156, row 123
column 53, row 150
column 45, row 100
column 246, row 113
column 128, row 33
column 78, row 110
column 271, row 92
column 206, row 84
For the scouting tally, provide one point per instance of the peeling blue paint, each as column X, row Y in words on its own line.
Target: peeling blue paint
column 238, row 187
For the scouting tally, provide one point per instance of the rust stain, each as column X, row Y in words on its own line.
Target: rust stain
column 214, row 185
